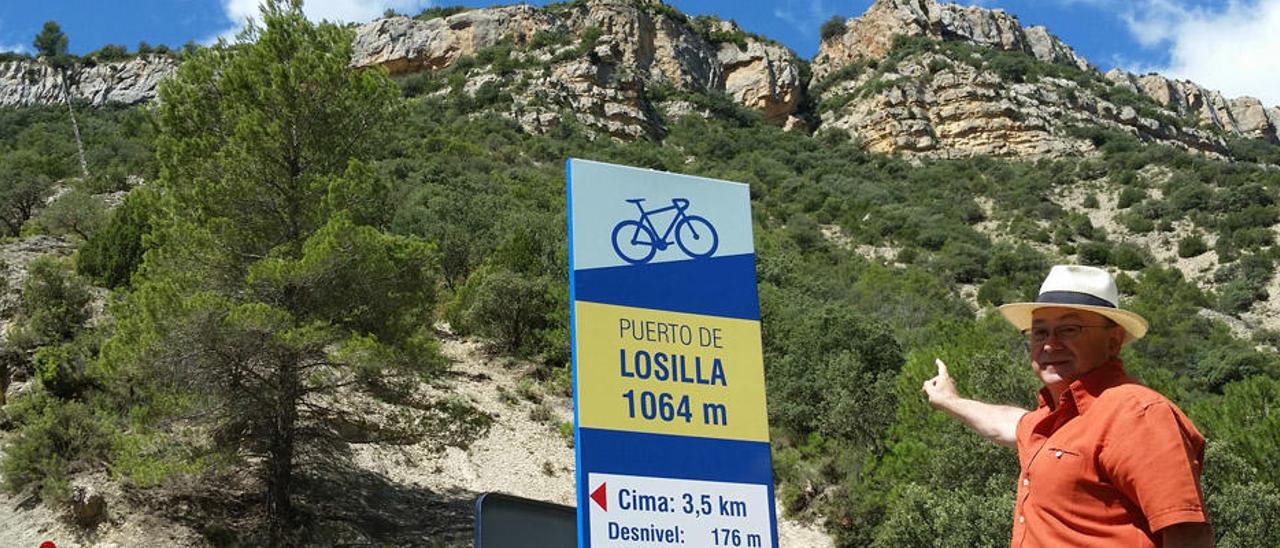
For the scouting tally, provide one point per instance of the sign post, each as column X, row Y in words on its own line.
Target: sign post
column 671, row 431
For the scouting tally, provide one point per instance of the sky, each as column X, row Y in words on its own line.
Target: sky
column 1229, row 45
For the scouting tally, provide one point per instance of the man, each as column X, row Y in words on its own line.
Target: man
column 1105, row 461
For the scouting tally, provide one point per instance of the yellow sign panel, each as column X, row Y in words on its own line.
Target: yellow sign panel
column 670, row 373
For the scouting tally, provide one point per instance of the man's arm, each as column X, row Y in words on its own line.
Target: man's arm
column 1188, row 535
column 998, row 423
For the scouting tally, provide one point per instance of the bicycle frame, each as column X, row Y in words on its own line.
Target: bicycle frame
column 678, row 204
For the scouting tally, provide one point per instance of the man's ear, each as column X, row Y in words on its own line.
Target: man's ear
column 1115, row 339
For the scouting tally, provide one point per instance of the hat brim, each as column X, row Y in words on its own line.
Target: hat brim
column 1020, row 315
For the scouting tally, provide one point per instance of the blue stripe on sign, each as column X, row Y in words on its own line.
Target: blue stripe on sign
column 718, row 286
column 680, row 457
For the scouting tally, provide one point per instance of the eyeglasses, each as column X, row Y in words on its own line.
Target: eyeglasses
column 1065, row 332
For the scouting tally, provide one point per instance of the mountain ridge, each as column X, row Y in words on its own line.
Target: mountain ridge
column 615, row 65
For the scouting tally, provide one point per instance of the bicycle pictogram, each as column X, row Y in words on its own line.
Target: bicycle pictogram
column 637, row 241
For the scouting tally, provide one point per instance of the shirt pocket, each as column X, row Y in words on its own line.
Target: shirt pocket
column 1078, row 478
column 1062, row 472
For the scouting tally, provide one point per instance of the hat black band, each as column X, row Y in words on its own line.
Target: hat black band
column 1073, row 297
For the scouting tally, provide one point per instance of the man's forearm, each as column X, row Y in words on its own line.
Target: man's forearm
column 998, row 423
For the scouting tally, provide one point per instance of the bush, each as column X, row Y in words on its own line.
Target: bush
column 832, row 28
column 75, row 212
column 963, row 262
column 1094, row 253
column 1192, row 246
column 53, row 307
column 61, row 369
column 109, row 53
column 1128, row 256
column 111, row 255
column 1135, row 223
column 1129, row 196
column 509, row 308
column 56, row 439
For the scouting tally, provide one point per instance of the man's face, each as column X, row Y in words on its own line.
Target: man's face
column 1059, row 360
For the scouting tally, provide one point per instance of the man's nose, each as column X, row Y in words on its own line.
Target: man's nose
column 1051, row 342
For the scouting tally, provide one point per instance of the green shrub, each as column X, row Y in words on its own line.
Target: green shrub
column 832, row 28
column 53, row 307
column 111, row 255
column 509, row 308
column 440, row 11
column 1128, row 256
column 61, row 369
column 963, row 262
column 55, row 439
column 1094, row 253
column 1129, row 196
column 1192, row 246
column 1135, row 223
column 1236, row 297
column 74, row 213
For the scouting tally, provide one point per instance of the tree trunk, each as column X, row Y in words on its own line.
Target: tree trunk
column 75, row 126
column 280, row 452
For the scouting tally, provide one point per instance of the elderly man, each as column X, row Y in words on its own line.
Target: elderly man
column 1105, row 461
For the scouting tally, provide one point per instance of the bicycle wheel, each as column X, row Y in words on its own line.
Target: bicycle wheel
column 634, row 242
column 696, row 237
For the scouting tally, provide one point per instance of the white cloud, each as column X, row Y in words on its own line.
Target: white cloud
column 1235, row 49
column 338, row 11
column 804, row 20
column 16, row 47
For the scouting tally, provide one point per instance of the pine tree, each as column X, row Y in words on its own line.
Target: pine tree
column 269, row 289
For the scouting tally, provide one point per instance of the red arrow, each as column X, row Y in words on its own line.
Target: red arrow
column 601, row 497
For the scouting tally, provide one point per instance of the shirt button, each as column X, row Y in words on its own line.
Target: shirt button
column 1022, row 519
column 1026, row 481
column 1058, row 454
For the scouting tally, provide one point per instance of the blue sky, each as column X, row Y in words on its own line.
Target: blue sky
column 1232, row 45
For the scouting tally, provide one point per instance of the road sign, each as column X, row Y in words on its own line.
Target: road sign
column 671, row 432
column 506, row 521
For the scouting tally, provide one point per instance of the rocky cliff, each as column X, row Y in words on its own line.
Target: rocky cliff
column 601, row 60
column 871, row 35
column 953, row 101
column 25, row 83
column 625, row 68
column 1245, row 116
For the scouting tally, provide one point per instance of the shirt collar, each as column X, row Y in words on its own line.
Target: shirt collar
column 1087, row 388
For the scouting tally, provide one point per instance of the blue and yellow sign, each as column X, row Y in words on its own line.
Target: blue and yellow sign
column 672, row 435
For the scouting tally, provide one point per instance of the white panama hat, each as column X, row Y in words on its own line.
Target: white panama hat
column 1083, row 288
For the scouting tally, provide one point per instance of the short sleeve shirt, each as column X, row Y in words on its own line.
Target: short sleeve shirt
column 1111, row 463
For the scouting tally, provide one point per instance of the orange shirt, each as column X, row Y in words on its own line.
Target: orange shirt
column 1110, row 464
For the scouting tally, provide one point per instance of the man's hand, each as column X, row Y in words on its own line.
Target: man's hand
column 998, row 423
column 941, row 389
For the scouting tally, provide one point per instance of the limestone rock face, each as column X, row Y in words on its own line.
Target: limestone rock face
column 871, row 35
column 407, row 45
column 932, row 105
column 639, row 47
column 1244, row 116
column 26, row 83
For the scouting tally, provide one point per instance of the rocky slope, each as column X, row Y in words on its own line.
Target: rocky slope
column 600, row 60
column 948, row 105
column 25, row 83
column 871, row 35
column 625, row 68
column 1245, row 116
column 390, row 494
